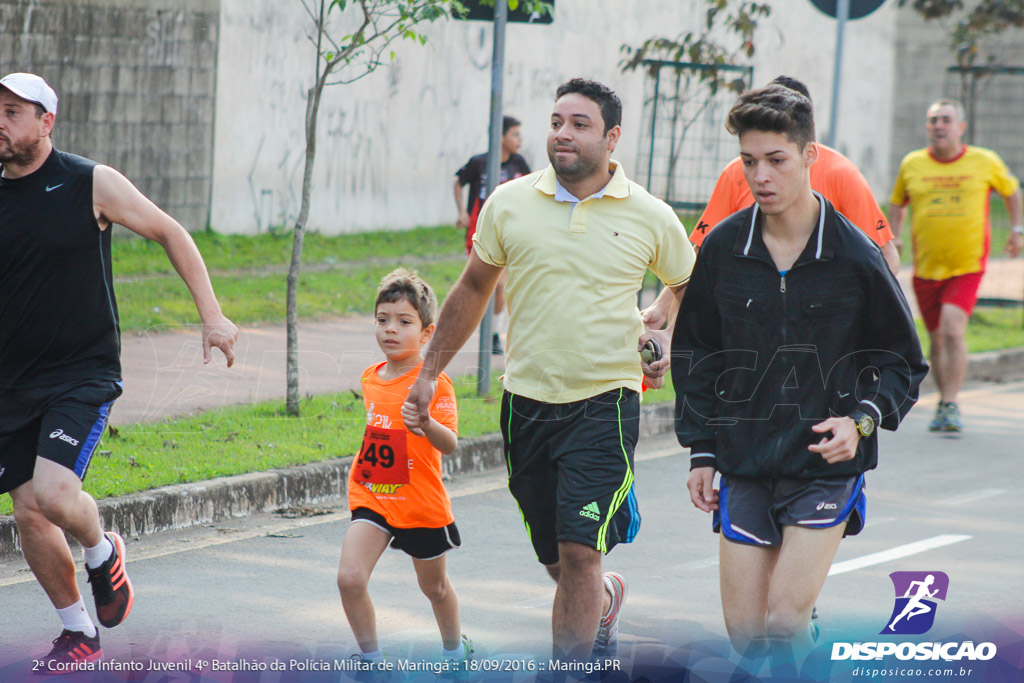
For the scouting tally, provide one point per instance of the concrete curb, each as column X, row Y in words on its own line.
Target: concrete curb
column 185, row 505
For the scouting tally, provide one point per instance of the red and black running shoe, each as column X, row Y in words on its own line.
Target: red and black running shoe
column 111, row 588
column 72, row 650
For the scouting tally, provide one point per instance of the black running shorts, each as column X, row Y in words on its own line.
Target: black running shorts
column 570, row 468
column 753, row 511
column 419, row 542
column 61, row 423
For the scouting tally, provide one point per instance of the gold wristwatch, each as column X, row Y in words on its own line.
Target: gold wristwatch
column 865, row 423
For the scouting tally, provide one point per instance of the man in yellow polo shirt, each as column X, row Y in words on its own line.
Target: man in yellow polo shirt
column 576, row 240
column 947, row 186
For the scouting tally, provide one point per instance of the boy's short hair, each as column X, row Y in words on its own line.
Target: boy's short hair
column 601, row 94
column 773, row 109
column 508, row 123
column 405, row 284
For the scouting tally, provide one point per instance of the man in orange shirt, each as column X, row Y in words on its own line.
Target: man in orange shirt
column 833, row 175
column 948, row 185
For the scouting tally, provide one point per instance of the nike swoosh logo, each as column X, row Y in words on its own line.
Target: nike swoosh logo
column 51, row 188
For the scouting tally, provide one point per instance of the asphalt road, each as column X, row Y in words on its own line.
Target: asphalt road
column 264, row 588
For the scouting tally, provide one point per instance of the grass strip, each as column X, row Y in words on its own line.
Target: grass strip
column 256, row 299
column 136, row 257
column 257, row 437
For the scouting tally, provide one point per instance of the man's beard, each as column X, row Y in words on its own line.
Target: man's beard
column 14, row 154
column 575, row 170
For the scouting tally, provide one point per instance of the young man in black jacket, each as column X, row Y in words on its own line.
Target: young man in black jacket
column 794, row 342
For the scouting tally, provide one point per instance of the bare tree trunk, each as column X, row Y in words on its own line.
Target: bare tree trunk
column 292, row 305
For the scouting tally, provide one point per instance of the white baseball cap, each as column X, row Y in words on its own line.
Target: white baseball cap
column 32, row 88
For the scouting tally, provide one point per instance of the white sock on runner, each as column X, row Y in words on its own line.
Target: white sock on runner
column 76, row 618
column 501, row 322
column 375, row 656
column 99, row 554
column 457, row 653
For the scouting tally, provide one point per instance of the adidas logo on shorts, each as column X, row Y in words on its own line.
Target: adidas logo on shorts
column 592, row 511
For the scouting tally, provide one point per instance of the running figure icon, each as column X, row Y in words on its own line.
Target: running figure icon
column 915, row 606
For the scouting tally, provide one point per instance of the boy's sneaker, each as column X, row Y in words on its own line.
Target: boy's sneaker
column 607, row 642
column 111, row 588
column 458, row 669
column 938, row 423
column 369, row 671
column 953, row 421
column 71, row 651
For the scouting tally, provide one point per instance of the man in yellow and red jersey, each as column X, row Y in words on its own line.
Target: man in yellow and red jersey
column 947, row 185
column 833, row 175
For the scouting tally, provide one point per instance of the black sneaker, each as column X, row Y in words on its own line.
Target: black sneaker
column 72, row 650
column 496, row 348
column 111, row 588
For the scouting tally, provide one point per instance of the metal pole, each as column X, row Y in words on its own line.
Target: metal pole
column 842, row 13
column 483, row 380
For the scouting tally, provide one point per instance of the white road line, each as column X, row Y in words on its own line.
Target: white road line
column 696, row 564
column 875, row 521
column 896, row 553
column 975, row 495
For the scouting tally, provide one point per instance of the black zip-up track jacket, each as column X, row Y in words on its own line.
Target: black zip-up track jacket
column 759, row 357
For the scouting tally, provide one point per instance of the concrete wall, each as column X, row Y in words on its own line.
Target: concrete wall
column 390, row 143
column 922, row 56
column 135, row 81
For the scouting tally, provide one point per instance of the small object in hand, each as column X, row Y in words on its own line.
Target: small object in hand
column 651, row 351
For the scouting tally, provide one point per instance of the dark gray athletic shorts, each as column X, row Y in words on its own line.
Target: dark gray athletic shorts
column 753, row 511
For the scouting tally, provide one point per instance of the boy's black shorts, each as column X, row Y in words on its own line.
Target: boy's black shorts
column 421, row 543
column 570, row 468
column 61, row 423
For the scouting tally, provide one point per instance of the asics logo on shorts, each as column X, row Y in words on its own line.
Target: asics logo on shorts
column 2, row 470
column 59, row 434
column 591, row 511
column 826, row 506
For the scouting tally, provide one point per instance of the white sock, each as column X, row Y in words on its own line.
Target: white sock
column 500, row 325
column 76, row 618
column 98, row 554
column 457, row 653
column 375, row 656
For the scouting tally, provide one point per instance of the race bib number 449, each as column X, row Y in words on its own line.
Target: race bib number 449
column 383, row 458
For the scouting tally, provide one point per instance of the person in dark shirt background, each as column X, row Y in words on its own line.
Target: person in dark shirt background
column 474, row 174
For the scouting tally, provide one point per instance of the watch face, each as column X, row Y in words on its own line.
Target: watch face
column 866, row 425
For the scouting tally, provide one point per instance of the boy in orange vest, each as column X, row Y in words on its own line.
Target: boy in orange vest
column 395, row 490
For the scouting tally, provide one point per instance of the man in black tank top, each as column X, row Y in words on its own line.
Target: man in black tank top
column 60, row 370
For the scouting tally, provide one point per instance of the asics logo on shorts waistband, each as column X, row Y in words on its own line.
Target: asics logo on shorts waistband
column 592, row 511
column 59, row 434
